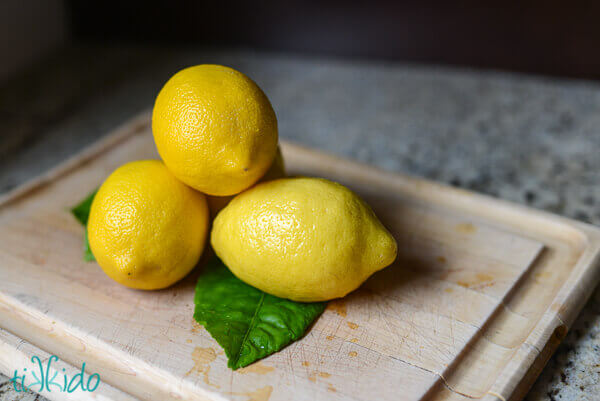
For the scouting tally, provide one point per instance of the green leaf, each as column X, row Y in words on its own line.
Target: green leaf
column 82, row 213
column 88, row 256
column 248, row 323
column 82, row 210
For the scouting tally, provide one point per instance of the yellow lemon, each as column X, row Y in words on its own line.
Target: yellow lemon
column 147, row 229
column 215, row 129
column 306, row 239
column 277, row 170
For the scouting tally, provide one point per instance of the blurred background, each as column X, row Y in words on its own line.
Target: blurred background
column 543, row 37
column 61, row 56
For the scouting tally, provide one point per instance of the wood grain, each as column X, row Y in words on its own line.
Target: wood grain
column 481, row 294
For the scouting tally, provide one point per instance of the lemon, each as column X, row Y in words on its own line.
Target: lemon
column 147, row 229
column 277, row 170
column 306, row 239
column 215, row 129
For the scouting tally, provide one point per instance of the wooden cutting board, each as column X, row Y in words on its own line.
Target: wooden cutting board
column 480, row 296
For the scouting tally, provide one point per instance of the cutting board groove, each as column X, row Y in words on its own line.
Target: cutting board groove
column 482, row 293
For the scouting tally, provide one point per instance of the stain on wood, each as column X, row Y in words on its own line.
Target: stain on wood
column 202, row 358
column 262, row 394
column 338, row 306
column 480, row 280
column 466, row 228
column 257, row 367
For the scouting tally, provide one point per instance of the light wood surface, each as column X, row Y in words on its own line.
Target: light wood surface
column 481, row 294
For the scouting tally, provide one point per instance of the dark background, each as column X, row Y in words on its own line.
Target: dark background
column 555, row 38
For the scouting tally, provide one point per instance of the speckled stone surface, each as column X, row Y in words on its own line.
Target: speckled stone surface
column 530, row 140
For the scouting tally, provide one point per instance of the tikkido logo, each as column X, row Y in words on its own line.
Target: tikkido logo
column 43, row 381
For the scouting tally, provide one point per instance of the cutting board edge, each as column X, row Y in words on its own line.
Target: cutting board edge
column 18, row 352
column 121, row 133
column 563, row 311
column 567, row 303
column 27, row 320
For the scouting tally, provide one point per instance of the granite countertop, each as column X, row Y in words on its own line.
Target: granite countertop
column 525, row 139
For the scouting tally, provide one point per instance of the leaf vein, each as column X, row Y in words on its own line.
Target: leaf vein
column 250, row 327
